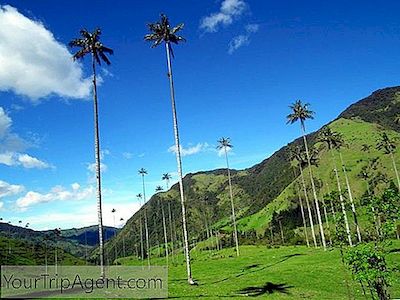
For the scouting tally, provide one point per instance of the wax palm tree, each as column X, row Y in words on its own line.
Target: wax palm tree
column 225, row 144
column 139, row 197
column 162, row 32
column 334, row 141
column 167, row 177
column 57, row 234
column 115, row 232
column 142, row 172
column 301, row 112
column 89, row 43
column 388, row 146
column 160, row 189
column 302, row 162
column 291, row 158
column 123, row 239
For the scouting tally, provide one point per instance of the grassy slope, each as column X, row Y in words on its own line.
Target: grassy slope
column 356, row 133
column 307, row 273
column 24, row 253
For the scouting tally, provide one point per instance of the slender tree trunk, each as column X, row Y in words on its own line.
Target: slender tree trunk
column 308, row 207
column 346, row 222
column 179, row 163
column 123, row 246
column 395, row 170
column 146, row 227
column 353, row 208
column 170, row 227
column 141, row 237
column 282, row 236
column 115, row 241
column 232, row 204
column 321, row 228
column 165, row 232
column 301, row 208
column 98, row 171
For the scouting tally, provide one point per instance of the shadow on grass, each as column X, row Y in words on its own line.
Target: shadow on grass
column 268, row 288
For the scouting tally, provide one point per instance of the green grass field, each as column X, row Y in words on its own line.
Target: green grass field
column 293, row 272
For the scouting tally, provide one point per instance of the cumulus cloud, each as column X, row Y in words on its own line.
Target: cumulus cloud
column 11, row 146
column 33, row 63
column 228, row 12
column 242, row 39
column 57, row 193
column 7, row 189
column 191, row 150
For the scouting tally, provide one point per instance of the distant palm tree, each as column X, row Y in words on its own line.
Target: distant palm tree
column 142, row 172
column 123, row 239
column 332, row 140
column 389, row 147
column 300, row 112
column 335, row 141
column 139, row 196
column 291, row 158
column 167, row 177
column 90, row 43
column 57, row 234
column 225, row 144
column 162, row 32
column 160, row 189
column 302, row 162
column 115, row 233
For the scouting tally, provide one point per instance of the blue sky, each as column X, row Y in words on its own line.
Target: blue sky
column 243, row 63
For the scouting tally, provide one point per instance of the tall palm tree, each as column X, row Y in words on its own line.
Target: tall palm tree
column 123, row 239
column 162, row 32
column 291, row 158
column 167, row 177
column 301, row 112
column 302, row 162
column 160, row 189
column 388, row 146
column 115, row 233
column 225, row 144
column 142, row 172
column 139, row 197
column 89, row 43
column 57, row 234
column 333, row 140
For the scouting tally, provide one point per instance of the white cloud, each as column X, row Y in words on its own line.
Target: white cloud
column 33, row 63
column 11, row 146
column 1, row 205
column 56, row 193
column 30, row 162
column 7, row 189
column 229, row 10
column 127, row 155
column 191, row 149
column 242, row 39
column 92, row 167
column 221, row 152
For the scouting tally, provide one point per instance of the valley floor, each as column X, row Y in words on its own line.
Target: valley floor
column 293, row 272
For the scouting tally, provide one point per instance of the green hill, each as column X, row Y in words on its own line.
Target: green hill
column 267, row 190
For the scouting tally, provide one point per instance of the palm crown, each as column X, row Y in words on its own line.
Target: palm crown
column 300, row 112
column 162, row 32
column 224, row 143
column 300, row 156
column 142, row 172
column 386, row 144
column 166, row 176
column 90, row 43
column 113, row 210
column 159, row 188
column 139, row 195
column 333, row 139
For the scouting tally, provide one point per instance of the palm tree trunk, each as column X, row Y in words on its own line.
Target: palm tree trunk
column 353, row 208
column 170, row 227
column 232, row 204
column 165, row 233
column 301, row 208
column 97, row 161
column 326, row 220
column 308, row 207
column 115, row 247
column 146, row 227
column 395, row 169
column 179, row 164
column 341, row 199
column 321, row 228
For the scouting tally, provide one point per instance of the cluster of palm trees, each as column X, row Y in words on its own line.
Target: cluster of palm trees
column 307, row 158
column 162, row 32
